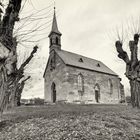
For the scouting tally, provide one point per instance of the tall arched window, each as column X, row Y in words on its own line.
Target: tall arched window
column 110, row 84
column 97, row 92
column 53, row 92
column 52, row 62
column 80, row 82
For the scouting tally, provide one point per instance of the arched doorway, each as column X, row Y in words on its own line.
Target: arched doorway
column 53, row 92
column 97, row 93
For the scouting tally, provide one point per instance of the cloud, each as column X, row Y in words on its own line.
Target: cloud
column 86, row 28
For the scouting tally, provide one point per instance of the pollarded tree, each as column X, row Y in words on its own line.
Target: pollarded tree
column 12, row 77
column 132, row 67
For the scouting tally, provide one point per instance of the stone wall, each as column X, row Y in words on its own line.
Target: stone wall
column 90, row 79
column 66, row 80
column 58, row 76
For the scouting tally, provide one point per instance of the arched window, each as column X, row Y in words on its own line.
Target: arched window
column 97, row 92
column 80, row 82
column 53, row 92
column 52, row 63
column 110, row 84
column 57, row 41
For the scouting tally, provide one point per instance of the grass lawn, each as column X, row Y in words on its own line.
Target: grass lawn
column 71, row 122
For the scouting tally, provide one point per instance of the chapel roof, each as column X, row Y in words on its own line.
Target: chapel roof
column 83, row 62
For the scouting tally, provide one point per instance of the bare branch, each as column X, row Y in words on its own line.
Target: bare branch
column 28, row 59
column 122, row 54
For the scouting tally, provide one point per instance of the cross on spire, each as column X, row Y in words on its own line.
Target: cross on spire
column 54, row 4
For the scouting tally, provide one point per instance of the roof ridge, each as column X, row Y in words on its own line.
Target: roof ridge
column 79, row 55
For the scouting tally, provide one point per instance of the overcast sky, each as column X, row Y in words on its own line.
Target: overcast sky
column 89, row 28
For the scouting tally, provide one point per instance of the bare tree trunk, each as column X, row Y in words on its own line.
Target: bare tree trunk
column 8, row 43
column 132, row 68
column 135, row 93
column 10, row 76
column 15, row 86
column 3, row 87
column 19, row 90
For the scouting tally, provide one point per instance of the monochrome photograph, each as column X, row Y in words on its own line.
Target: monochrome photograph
column 69, row 70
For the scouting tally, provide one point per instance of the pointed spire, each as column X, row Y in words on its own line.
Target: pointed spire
column 54, row 25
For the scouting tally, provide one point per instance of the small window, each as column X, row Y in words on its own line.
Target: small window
column 81, row 60
column 98, row 65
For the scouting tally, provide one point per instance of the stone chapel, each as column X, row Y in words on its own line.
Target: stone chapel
column 73, row 78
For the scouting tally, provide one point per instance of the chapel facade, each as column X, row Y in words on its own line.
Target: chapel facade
column 73, row 78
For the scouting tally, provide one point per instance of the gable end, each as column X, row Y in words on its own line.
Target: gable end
column 50, row 56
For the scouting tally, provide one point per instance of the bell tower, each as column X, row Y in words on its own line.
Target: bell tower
column 55, row 35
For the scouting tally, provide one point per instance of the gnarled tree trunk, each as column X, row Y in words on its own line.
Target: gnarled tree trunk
column 132, row 68
column 10, row 76
column 19, row 90
column 135, row 93
column 8, row 51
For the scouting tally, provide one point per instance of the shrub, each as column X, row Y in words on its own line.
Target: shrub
column 38, row 101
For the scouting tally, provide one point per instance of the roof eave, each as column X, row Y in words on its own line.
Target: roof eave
column 92, row 70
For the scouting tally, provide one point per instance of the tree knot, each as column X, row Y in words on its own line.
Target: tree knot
column 136, row 38
column 118, row 44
